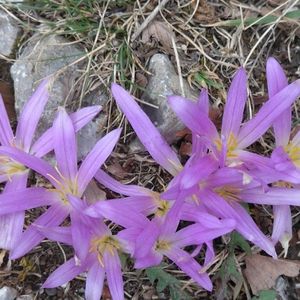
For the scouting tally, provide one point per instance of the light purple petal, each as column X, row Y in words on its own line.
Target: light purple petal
column 203, row 101
column 113, row 271
column 123, row 189
column 146, row 131
column 189, row 265
column 65, row 147
column 282, row 227
column 235, row 104
column 80, row 118
column 273, row 196
column 276, row 82
column 57, row 233
column 96, row 158
column 30, row 116
column 153, row 258
column 210, row 253
column 23, row 199
column 94, row 282
column 193, row 117
column 54, row 216
column 6, row 134
column 32, row 162
column 63, row 274
column 270, row 111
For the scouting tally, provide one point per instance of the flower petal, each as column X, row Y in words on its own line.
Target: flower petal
column 113, row 271
column 193, row 117
column 65, row 147
column 79, row 119
column 56, row 233
column 189, row 265
column 203, row 101
column 29, row 120
column 94, row 282
column 276, row 82
column 6, row 134
column 54, row 216
column 270, row 111
column 96, row 158
column 63, row 274
column 153, row 258
column 235, row 104
column 123, row 189
column 146, row 131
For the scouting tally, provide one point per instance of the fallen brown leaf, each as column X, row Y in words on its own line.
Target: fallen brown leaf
column 205, row 13
column 262, row 271
column 160, row 32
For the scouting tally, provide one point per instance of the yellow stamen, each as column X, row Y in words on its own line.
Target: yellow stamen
column 231, row 145
column 293, row 151
column 229, row 193
column 162, row 245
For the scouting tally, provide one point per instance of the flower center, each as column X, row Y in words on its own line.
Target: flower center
column 106, row 243
column 231, row 145
column 293, row 152
column 10, row 167
column 229, row 193
column 162, row 245
column 162, row 208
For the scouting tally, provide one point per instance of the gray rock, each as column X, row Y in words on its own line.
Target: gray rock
column 8, row 293
column 25, row 297
column 9, row 32
column 163, row 82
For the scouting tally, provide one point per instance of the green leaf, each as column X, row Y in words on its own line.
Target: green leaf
column 266, row 295
column 238, row 241
column 165, row 280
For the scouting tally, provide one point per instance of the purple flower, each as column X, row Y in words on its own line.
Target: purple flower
column 66, row 179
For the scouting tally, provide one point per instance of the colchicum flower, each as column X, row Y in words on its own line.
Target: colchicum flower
column 65, row 178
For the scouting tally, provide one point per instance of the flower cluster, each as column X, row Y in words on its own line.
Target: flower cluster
column 209, row 192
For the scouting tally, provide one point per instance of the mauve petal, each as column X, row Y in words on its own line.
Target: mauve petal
column 6, row 134
column 112, row 265
column 54, row 216
column 269, row 112
column 65, row 147
column 94, row 282
column 63, row 274
column 56, row 233
column 203, row 101
column 277, row 81
column 210, row 253
column 146, row 131
column 282, row 227
column 245, row 224
column 123, row 189
column 153, row 258
column 196, row 234
column 27, row 198
column 32, row 162
column 193, row 117
column 189, row 266
column 235, row 104
column 80, row 118
column 30, row 116
column 96, row 158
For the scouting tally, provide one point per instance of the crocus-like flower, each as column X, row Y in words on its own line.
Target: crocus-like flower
column 65, row 178
column 15, row 173
column 228, row 146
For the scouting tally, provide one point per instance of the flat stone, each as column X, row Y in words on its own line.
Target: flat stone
column 8, row 293
column 163, row 82
column 9, row 32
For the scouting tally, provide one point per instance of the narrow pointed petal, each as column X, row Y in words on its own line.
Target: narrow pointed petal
column 63, row 274
column 54, row 216
column 6, row 134
column 153, row 258
column 146, row 131
column 210, row 253
column 57, row 233
column 125, row 216
column 273, row 196
column 277, row 81
column 189, row 265
column 96, row 158
column 196, row 234
column 113, row 271
column 123, row 189
column 27, row 198
column 30, row 116
column 79, row 119
column 203, row 101
column 270, row 111
column 235, row 104
column 193, row 117
column 245, row 224
column 65, row 147
column 282, row 228
column 32, row 162
column 94, row 282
